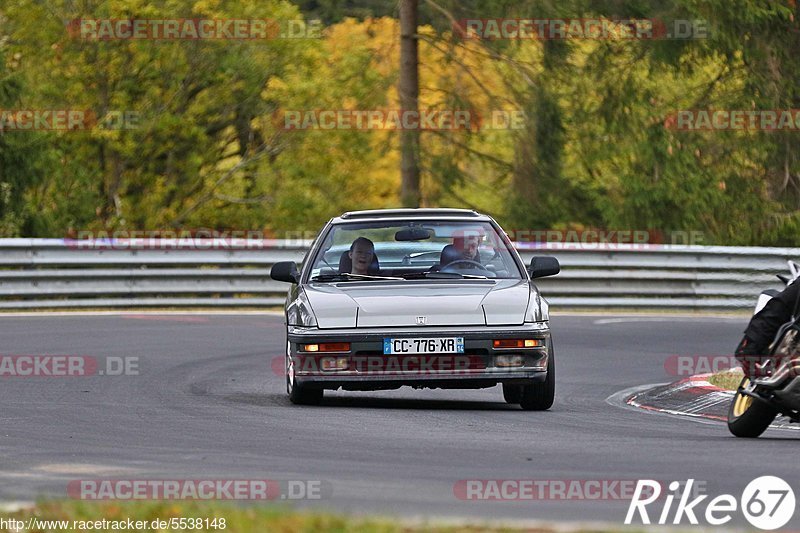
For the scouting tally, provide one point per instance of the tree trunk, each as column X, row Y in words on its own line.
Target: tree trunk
column 409, row 101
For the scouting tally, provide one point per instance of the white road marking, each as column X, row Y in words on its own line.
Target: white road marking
column 27, row 314
column 625, row 320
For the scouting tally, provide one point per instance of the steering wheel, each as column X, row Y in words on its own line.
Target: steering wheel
column 467, row 262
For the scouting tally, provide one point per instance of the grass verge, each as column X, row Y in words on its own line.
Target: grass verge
column 727, row 379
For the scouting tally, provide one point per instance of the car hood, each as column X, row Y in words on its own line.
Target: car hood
column 398, row 304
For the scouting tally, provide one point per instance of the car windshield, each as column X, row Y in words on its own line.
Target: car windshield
column 436, row 250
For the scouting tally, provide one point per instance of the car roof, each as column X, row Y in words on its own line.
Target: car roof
column 400, row 214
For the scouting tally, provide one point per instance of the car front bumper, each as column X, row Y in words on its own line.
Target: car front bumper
column 365, row 367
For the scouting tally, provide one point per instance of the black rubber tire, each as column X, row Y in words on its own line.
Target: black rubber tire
column 305, row 395
column 301, row 394
column 540, row 396
column 755, row 419
column 512, row 393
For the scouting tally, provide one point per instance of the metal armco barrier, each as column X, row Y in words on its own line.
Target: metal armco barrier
column 59, row 273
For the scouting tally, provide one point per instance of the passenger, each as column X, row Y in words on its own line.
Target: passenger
column 362, row 253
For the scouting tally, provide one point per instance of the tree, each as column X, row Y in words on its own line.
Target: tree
column 22, row 154
column 409, row 102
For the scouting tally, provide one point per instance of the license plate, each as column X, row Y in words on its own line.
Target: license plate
column 426, row 345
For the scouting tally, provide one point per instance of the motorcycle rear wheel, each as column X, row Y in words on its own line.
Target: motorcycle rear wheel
column 748, row 418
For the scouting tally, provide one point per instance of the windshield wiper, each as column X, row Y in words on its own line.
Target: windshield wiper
column 441, row 275
column 346, row 276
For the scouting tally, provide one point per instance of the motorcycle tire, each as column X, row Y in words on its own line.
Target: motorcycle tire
column 748, row 418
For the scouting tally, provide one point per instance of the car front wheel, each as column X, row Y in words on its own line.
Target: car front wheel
column 300, row 394
column 540, row 396
column 512, row 393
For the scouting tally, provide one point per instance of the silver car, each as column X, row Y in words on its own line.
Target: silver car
column 435, row 298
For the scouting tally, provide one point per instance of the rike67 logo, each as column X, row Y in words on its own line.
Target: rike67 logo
column 767, row 503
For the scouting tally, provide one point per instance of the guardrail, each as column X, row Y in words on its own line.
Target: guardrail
column 59, row 273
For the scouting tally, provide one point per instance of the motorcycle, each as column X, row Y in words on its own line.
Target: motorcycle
column 775, row 386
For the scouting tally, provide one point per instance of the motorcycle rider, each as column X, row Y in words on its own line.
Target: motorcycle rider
column 764, row 325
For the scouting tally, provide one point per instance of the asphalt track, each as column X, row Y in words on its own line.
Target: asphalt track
column 207, row 404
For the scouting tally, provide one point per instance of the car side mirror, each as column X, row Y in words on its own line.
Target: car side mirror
column 285, row 271
column 543, row 265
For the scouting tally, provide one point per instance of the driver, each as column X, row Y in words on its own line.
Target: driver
column 467, row 246
column 464, row 248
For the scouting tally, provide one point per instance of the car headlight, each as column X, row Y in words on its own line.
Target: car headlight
column 299, row 312
column 538, row 308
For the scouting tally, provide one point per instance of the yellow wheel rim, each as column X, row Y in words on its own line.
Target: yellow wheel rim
column 742, row 402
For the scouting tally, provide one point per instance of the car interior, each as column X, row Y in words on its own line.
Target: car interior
column 414, row 262
column 411, row 250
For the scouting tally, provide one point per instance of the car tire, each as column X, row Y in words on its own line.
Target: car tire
column 540, row 396
column 748, row 418
column 305, row 395
column 512, row 393
column 300, row 394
